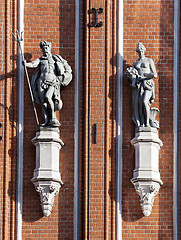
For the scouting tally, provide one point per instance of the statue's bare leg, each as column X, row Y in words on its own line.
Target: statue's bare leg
column 45, row 114
column 140, row 108
column 48, row 99
column 146, row 98
column 44, row 105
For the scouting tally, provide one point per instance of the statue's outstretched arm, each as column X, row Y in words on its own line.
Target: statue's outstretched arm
column 33, row 64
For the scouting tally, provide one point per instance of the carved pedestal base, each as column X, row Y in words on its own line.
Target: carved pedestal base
column 146, row 176
column 147, row 190
column 47, row 190
column 46, row 178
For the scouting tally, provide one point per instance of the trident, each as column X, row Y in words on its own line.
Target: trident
column 19, row 39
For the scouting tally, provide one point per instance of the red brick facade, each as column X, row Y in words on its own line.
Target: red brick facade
column 150, row 22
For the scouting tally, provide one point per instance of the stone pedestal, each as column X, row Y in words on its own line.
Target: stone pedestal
column 46, row 178
column 146, row 176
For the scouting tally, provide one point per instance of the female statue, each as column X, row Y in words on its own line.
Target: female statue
column 141, row 76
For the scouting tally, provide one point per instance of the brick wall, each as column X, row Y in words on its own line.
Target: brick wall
column 150, row 22
column 98, row 85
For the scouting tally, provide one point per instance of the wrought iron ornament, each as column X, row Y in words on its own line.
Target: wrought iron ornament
column 95, row 12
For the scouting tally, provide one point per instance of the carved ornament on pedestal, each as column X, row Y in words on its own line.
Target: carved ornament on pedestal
column 47, row 190
column 147, row 191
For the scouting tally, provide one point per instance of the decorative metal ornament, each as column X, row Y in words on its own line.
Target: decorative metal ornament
column 95, row 17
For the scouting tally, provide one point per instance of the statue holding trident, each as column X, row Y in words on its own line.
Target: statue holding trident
column 52, row 72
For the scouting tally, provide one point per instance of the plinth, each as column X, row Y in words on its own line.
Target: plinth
column 46, row 177
column 146, row 176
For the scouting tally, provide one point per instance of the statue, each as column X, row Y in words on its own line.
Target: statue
column 52, row 72
column 140, row 76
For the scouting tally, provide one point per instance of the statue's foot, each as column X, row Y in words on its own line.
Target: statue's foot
column 54, row 123
column 44, row 125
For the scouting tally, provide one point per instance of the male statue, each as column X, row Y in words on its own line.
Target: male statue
column 51, row 73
